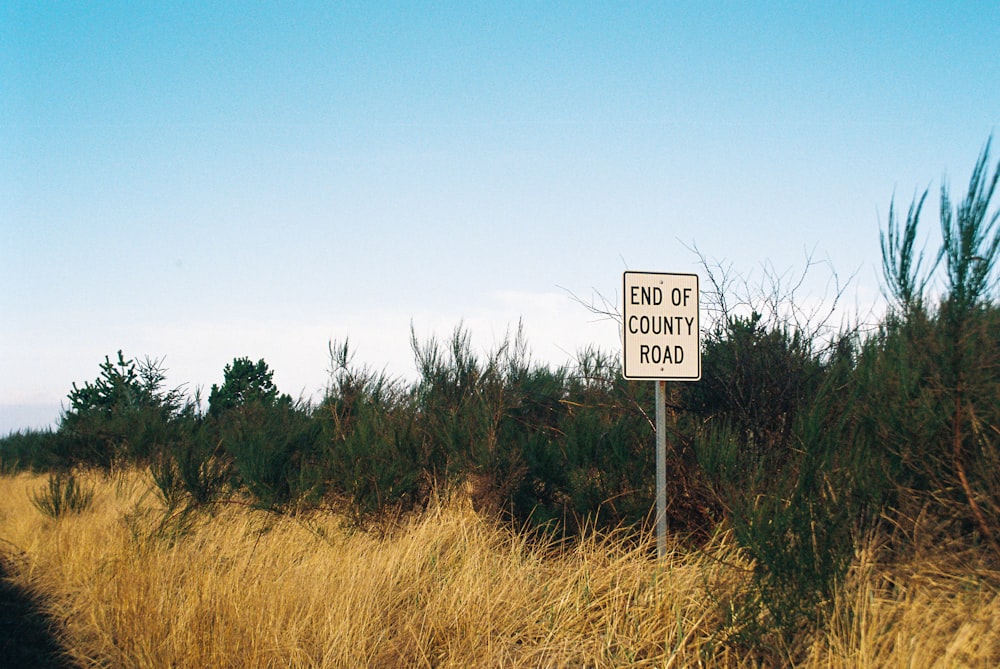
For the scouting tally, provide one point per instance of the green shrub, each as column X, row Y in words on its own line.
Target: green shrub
column 245, row 383
column 462, row 408
column 800, row 521
column 193, row 470
column 268, row 440
column 121, row 416
column 935, row 397
column 371, row 451
column 63, row 494
column 270, row 446
column 33, row 450
column 600, row 467
column 755, row 378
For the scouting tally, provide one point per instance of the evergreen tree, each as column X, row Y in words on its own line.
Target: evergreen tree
column 245, row 382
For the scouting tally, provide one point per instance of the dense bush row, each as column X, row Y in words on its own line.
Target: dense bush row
column 570, row 444
column 799, row 440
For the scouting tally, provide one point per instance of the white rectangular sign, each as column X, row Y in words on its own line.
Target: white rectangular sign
column 661, row 328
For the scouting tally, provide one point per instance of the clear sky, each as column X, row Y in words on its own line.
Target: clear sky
column 200, row 181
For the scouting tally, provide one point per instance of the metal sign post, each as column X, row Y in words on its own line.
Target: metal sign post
column 661, row 342
column 661, row 469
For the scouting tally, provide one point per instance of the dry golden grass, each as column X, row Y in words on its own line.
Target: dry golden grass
column 447, row 588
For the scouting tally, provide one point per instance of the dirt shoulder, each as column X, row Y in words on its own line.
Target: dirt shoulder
column 26, row 638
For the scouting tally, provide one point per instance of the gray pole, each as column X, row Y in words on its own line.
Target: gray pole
column 661, row 469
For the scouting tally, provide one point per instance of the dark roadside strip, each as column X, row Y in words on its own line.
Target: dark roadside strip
column 26, row 632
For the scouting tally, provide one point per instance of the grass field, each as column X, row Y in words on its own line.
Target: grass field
column 131, row 586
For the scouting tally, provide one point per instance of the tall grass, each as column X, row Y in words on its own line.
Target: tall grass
column 447, row 587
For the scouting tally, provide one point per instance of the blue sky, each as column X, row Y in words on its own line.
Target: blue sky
column 204, row 181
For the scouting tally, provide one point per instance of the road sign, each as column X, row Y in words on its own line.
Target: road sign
column 661, row 343
column 661, row 327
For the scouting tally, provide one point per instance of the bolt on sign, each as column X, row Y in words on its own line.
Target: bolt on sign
column 661, row 328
